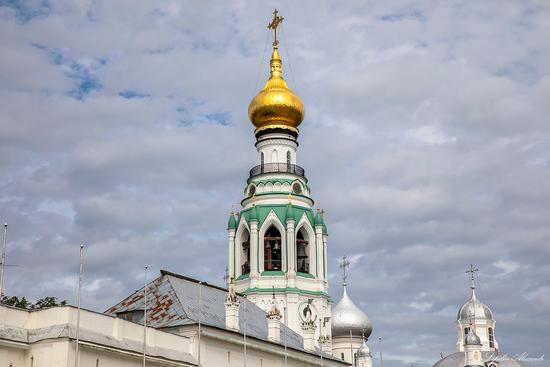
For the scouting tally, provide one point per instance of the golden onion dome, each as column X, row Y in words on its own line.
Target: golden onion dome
column 276, row 105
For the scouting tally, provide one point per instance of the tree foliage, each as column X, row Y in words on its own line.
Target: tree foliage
column 25, row 304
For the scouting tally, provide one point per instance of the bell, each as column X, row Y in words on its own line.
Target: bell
column 276, row 246
column 301, row 252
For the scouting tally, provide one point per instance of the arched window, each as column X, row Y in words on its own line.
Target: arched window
column 302, row 252
column 272, row 249
column 245, row 253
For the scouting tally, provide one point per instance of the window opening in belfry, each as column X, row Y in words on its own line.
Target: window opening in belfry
column 245, row 253
column 272, row 249
column 302, row 251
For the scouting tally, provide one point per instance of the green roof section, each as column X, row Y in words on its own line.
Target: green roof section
column 232, row 223
column 253, row 215
column 260, row 213
column 289, row 212
column 319, row 218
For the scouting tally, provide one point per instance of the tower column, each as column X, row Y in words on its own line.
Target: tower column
column 291, row 250
column 253, row 253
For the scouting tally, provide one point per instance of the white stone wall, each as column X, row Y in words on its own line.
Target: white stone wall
column 45, row 338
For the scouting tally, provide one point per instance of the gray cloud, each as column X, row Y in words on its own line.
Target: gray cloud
column 426, row 140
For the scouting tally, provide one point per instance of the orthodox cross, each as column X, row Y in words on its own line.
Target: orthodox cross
column 472, row 271
column 344, row 265
column 277, row 19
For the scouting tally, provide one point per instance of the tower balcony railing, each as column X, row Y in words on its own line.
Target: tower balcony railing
column 277, row 168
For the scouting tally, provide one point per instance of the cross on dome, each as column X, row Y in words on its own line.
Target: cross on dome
column 344, row 265
column 472, row 271
column 277, row 19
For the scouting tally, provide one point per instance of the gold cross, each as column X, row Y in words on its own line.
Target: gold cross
column 277, row 19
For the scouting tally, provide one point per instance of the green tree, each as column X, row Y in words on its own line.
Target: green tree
column 25, row 304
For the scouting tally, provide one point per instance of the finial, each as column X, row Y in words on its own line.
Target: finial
column 344, row 265
column 472, row 271
column 277, row 19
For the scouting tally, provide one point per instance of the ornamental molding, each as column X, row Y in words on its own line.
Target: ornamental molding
column 263, row 143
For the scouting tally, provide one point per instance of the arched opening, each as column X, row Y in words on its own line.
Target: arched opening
column 262, row 161
column 302, row 252
column 272, row 249
column 245, row 253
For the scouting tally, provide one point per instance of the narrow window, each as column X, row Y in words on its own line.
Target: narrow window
column 245, row 253
column 228, row 357
column 272, row 249
column 491, row 338
column 342, row 356
column 302, row 252
column 262, row 162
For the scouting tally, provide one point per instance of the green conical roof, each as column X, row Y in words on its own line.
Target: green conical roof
column 232, row 224
column 319, row 218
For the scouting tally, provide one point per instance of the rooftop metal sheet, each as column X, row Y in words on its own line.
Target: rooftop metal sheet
column 173, row 300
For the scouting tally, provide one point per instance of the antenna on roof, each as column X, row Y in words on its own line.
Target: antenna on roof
column 3, row 259
column 145, row 317
column 199, row 327
column 77, row 349
column 244, row 332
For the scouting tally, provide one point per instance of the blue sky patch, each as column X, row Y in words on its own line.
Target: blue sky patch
column 221, row 118
column 397, row 17
column 25, row 12
column 82, row 72
column 132, row 94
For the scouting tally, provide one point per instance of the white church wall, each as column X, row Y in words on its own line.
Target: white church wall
column 46, row 338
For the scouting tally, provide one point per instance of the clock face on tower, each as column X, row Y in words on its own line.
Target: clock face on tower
column 307, row 311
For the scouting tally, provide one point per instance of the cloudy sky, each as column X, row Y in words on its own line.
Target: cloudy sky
column 427, row 140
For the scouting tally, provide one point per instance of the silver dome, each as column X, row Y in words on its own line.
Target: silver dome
column 472, row 339
column 364, row 350
column 474, row 308
column 346, row 317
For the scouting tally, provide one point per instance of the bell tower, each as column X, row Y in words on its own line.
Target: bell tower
column 277, row 242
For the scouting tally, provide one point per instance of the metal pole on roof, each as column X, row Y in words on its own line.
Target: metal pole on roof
column 244, row 331
column 284, row 334
column 351, row 346
column 200, row 330
column 3, row 260
column 77, row 347
column 145, row 317
column 381, row 361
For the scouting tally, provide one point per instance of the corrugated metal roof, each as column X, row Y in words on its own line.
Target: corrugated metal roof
column 173, row 300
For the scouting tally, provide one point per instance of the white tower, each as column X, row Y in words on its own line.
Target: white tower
column 484, row 323
column 276, row 242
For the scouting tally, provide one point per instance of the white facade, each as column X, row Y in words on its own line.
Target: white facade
column 46, row 338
